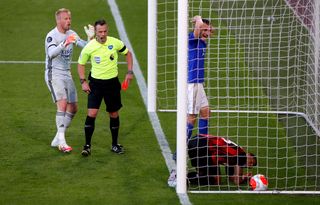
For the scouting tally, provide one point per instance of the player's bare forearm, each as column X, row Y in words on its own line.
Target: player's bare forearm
column 129, row 59
column 84, row 84
column 81, row 71
column 197, row 20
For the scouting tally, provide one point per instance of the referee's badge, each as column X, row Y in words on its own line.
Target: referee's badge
column 110, row 47
column 97, row 59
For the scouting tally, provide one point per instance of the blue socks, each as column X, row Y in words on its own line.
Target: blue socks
column 189, row 130
column 203, row 126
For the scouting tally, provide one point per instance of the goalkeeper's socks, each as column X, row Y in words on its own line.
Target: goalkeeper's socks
column 114, row 128
column 60, row 127
column 68, row 118
column 60, row 121
column 203, row 126
column 89, row 129
column 189, row 130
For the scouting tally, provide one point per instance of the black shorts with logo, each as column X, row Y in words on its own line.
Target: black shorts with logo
column 109, row 90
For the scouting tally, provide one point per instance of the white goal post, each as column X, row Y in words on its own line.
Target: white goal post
column 262, row 82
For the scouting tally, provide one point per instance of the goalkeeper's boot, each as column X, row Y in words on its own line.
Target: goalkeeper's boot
column 86, row 151
column 55, row 142
column 65, row 148
column 117, row 149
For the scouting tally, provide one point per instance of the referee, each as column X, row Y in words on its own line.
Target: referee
column 103, row 82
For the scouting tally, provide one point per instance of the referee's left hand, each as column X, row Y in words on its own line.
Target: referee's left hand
column 85, row 87
column 129, row 77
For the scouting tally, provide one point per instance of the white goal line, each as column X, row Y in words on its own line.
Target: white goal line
column 256, row 192
column 36, row 62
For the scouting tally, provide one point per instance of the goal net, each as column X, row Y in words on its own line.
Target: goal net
column 261, row 80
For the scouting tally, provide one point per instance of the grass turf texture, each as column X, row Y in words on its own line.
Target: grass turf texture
column 34, row 173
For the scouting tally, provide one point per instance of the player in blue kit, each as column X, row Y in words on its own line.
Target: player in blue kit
column 197, row 99
column 197, row 102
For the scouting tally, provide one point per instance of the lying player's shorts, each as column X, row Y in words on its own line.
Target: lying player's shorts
column 62, row 87
column 200, row 158
column 197, row 98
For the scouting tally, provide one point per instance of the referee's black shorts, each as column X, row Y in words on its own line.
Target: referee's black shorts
column 109, row 90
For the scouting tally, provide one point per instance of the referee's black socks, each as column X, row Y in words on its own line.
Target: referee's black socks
column 89, row 128
column 114, row 128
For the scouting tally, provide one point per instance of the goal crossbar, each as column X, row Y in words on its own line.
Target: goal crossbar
column 307, row 119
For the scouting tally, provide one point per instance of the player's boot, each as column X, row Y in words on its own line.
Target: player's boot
column 174, row 156
column 65, row 148
column 117, row 149
column 55, row 142
column 86, row 151
column 172, row 180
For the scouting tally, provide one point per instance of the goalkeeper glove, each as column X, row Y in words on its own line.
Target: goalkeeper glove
column 89, row 31
column 70, row 39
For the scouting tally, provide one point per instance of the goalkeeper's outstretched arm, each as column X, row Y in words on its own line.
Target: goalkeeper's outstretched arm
column 238, row 177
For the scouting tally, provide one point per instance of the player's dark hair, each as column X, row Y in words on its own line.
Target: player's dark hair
column 206, row 21
column 254, row 158
column 100, row 22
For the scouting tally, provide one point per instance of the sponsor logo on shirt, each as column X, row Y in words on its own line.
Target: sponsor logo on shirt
column 66, row 54
column 97, row 59
column 49, row 39
column 204, row 52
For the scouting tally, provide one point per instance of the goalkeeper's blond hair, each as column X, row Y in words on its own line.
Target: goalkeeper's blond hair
column 62, row 10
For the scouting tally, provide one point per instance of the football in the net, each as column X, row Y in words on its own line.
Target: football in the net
column 259, row 182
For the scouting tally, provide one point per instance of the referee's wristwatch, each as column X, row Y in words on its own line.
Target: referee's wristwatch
column 82, row 81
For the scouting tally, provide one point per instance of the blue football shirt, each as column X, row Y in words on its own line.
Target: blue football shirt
column 196, row 53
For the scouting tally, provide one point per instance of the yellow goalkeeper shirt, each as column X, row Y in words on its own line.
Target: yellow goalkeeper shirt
column 104, row 57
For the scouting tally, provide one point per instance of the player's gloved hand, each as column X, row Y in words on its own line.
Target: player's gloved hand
column 70, row 39
column 89, row 31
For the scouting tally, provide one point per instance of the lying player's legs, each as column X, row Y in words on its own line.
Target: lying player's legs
column 198, row 153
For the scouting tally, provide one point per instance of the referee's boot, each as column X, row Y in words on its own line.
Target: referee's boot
column 86, row 151
column 118, row 148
